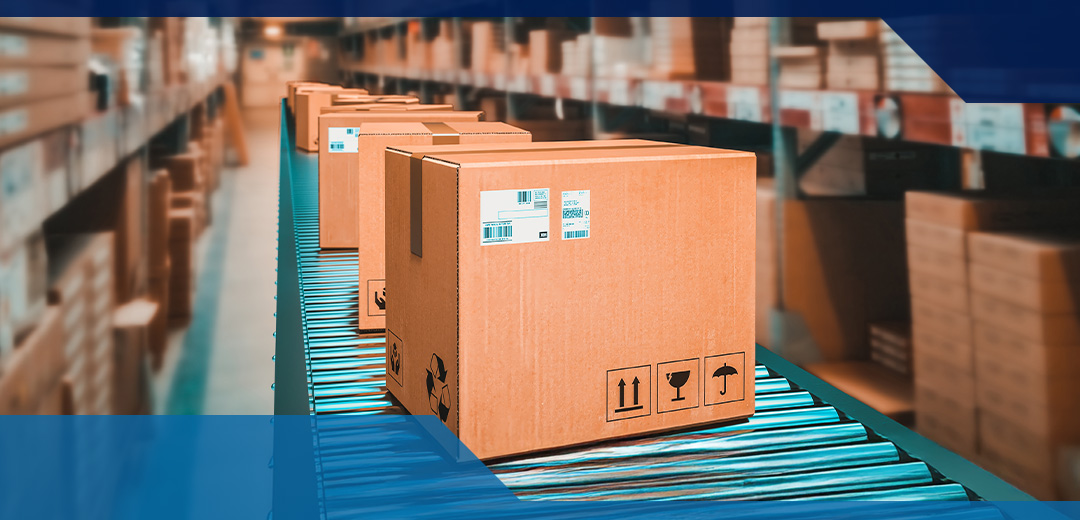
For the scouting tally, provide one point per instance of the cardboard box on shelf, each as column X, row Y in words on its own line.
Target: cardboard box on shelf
column 455, row 216
column 951, row 295
column 23, row 284
column 159, row 326
column 942, row 419
column 25, row 48
column 1045, row 296
column 23, row 121
column 942, row 322
column 132, row 325
column 35, row 366
column 338, row 167
column 184, row 172
column 74, row 27
column 1043, row 255
column 766, row 268
column 1056, row 329
column 545, row 46
column 181, row 264
column 939, row 372
column 988, row 211
column 353, row 97
column 21, row 85
column 941, row 265
column 948, row 240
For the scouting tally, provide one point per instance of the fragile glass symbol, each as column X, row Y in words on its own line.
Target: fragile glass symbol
column 724, row 372
column 677, row 380
column 622, row 396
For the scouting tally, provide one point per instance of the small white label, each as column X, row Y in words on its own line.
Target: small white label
column 13, row 45
column 744, row 103
column 514, row 216
column 575, row 214
column 343, row 140
column 14, row 83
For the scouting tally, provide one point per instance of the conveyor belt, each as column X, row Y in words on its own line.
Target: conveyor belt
column 802, row 443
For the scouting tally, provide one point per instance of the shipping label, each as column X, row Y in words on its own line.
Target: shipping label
column 343, row 140
column 575, row 214
column 514, row 216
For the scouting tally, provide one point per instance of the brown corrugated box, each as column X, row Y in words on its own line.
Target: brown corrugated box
column 1020, row 456
column 389, row 113
column 132, row 324
column 1058, row 329
column 24, row 48
column 22, row 121
column 981, row 210
column 1033, row 293
column 362, row 215
column 309, row 103
column 542, row 315
column 944, row 239
column 948, row 422
column 337, row 169
column 387, row 107
column 942, row 265
column 181, row 264
column 940, row 291
column 1048, row 256
column 27, row 84
column 940, row 321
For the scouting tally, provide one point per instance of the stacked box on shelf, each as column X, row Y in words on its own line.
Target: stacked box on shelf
column 132, row 324
column 690, row 48
column 903, row 69
column 188, row 184
column 750, row 51
column 854, row 54
column 43, row 71
column 30, row 376
column 1025, row 292
column 545, row 51
column 801, row 66
column 417, row 49
column 890, row 345
column 171, row 32
column 22, row 292
column 941, row 308
column 576, row 56
column 81, row 280
column 442, row 47
column 487, row 49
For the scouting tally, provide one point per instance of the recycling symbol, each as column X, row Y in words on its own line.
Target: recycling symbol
column 438, row 392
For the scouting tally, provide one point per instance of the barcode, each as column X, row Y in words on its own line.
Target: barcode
column 352, row 131
column 573, row 213
column 524, row 197
column 581, row 233
column 502, row 231
column 540, row 204
column 337, row 146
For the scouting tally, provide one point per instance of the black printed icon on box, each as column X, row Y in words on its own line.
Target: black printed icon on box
column 628, row 392
column 376, row 297
column 677, row 385
column 438, row 391
column 394, row 354
column 725, row 380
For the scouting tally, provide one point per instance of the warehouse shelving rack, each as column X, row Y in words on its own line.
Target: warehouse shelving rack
column 824, row 443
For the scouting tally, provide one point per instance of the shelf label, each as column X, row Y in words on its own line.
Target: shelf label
column 744, row 104
column 840, row 112
column 997, row 127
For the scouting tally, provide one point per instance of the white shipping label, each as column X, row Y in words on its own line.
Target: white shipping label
column 14, row 83
column 514, row 216
column 343, row 140
column 575, row 214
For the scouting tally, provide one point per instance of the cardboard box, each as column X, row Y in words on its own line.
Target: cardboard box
column 1019, row 455
column 351, row 199
column 458, row 303
column 944, row 266
column 848, row 30
column 1046, row 256
column 23, row 280
column 939, row 291
column 1044, row 296
column 159, row 326
column 766, row 270
column 986, row 211
column 131, row 329
column 20, row 85
column 939, row 372
column 942, row 419
column 940, row 321
column 337, row 168
column 1049, row 329
column 75, row 27
column 352, row 97
column 928, row 235
column 309, row 103
column 24, row 48
column 184, row 172
column 23, row 121
column 34, row 367
column 545, row 46
column 181, row 264
column 387, row 107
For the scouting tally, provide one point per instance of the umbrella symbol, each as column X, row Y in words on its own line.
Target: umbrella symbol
column 725, row 371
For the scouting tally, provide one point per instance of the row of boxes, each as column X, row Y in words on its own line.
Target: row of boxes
column 451, row 214
column 980, row 334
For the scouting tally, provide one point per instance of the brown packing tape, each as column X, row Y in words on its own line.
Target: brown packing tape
column 444, row 134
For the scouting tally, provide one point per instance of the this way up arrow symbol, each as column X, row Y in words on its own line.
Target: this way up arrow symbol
column 622, row 392
column 636, row 383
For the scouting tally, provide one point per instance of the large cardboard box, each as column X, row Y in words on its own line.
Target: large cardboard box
column 359, row 214
column 950, row 294
column 1047, row 296
column 309, row 103
column 339, row 164
column 1019, row 455
column 487, row 284
column 1057, row 329
column 1046, row 256
column 982, row 211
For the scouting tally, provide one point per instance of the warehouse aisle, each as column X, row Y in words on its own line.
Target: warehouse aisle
column 222, row 363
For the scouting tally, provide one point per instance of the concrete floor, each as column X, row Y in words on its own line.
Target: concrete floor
column 222, row 362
